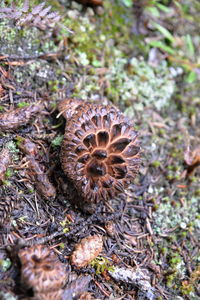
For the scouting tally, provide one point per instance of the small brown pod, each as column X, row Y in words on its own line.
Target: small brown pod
column 27, row 146
column 40, row 178
column 100, row 152
column 87, row 250
column 18, row 117
column 5, row 160
column 36, row 170
column 6, row 207
column 41, row 270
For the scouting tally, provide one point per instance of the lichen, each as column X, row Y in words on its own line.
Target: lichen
column 166, row 218
column 141, row 82
column 7, row 296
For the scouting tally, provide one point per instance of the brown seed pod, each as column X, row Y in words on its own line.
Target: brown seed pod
column 6, row 207
column 36, row 170
column 41, row 270
column 27, row 146
column 87, row 250
column 100, row 152
column 19, row 117
column 40, row 178
column 5, row 160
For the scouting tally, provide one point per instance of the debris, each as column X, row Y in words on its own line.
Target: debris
column 192, row 160
column 136, row 277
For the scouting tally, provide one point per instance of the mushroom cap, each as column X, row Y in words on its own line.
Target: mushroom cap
column 100, row 153
column 41, row 270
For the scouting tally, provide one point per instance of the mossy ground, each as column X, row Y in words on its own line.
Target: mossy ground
column 97, row 55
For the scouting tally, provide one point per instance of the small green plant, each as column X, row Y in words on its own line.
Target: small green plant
column 101, row 264
column 179, row 48
column 22, row 104
column 65, row 224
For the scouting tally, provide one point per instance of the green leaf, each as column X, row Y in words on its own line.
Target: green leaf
column 154, row 11
column 163, row 8
column 97, row 63
column 127, row 3
column 162, row 46
column 165, row 32
column 190, row 45
column 192, row 76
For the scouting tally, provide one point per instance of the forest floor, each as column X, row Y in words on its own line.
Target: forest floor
column 144, row 59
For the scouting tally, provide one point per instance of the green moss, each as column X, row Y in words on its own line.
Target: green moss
column 155, row 163
column 57, row 141
column 5, row 264
column 101, row 264
column 186, row 287
column 12, row 147
column 9, row 173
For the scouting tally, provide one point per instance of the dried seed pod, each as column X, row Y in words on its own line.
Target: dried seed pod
column 40, row 178
column 41, row 270
column 18, row 117
column 87, row 250
column 6, row 207
column 100, row 152
column 36, row 171
column 5, row 160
